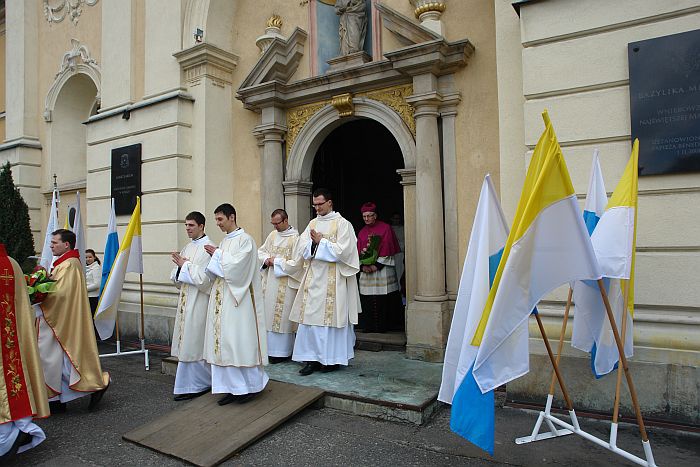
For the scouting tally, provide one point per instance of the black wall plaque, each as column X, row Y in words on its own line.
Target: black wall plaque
column 126, row 178
column 665, row 102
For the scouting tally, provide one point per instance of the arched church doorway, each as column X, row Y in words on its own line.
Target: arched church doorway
column 76, row 101
column 358, row 161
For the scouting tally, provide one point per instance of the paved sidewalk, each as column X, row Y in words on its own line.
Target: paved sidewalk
column 323, row 436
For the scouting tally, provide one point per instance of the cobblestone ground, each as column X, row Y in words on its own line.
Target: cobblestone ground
column 322, row 436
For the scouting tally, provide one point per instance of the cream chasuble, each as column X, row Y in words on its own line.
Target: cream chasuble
column 279, row 288
column 235, row 328
column 328, row 294
column 67, row 343
column 191, row 316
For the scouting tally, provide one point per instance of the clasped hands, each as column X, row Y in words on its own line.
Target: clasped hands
column 369, row 269
column 210, row 249
column 316, row 236
column 178, row 258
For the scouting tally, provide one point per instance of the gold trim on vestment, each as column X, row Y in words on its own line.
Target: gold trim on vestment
column 218, row 299
column 181, row 315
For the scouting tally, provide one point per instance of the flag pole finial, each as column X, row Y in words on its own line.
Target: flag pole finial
column 545, row 117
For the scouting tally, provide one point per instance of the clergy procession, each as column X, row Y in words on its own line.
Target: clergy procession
column 240, row 308
column 349, row 232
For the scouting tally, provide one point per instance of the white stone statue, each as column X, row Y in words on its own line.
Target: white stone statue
column 353, row 25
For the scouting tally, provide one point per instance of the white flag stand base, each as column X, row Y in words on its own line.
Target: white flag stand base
column 543, row 417
column 574, row 428
column 143, row 350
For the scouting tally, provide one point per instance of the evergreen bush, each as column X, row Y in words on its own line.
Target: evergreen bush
column 15, row 231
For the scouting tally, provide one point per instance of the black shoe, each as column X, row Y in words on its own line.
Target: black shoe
column 274, row 360
column 22, row 439
column 96, row 397
column 309, row 368
column 329, row 368
column 228, row 398
column 190, row 395
column 247, row 397
column 57, row 407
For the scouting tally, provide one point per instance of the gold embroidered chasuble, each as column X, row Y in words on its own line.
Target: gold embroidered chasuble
column 235, row 329
column 279, row 292
column 19, row 344
column 67, row 312
column 328, row 293
column 190, row 319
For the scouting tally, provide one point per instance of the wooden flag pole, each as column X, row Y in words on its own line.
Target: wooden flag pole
column 569, row 405
column 561, row 337
column 618, row 384
column 623, row 362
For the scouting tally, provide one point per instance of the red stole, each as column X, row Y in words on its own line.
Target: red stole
column 16, row 385
column 65, row 256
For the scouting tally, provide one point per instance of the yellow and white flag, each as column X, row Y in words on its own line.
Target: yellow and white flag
column 548, row 246
column 129, row 259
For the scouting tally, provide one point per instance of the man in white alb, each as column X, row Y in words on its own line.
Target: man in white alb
column 193, row 376
column 328, row 302
column 235, row 342
column 279, row 288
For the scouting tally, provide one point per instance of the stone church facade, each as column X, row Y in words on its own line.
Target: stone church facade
column 231, row 100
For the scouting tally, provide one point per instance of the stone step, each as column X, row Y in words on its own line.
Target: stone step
column 375, row 341
column 384, row 385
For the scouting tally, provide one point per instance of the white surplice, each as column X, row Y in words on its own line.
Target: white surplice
column 328, row 303
column 279, row 290
column 235, row 342
column 193, row 373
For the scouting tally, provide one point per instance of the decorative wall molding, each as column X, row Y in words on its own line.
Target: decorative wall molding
column 75, row 61
column 279, row 61
column 56, row 11
column 207, row 60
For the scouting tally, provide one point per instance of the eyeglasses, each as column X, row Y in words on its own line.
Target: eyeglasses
column 318, row 205
column 276, row 223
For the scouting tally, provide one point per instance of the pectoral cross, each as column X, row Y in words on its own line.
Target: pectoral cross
column 7, row 277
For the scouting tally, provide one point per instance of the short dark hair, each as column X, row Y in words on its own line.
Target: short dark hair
column 280, row 212
column 92, row 252
column 196, row 216
column 325, row 192
column 226, row 209
column 66, row 236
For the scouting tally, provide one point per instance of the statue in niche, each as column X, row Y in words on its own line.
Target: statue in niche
column 353, row 25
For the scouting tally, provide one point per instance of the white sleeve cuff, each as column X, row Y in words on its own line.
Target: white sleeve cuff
column 279, row 272
column 325, row 252
column 214, row 265
column 185, row 274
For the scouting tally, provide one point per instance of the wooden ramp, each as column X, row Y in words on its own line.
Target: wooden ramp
column 203, row 433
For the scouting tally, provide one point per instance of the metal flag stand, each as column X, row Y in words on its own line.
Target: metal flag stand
column 573, row 427
column 143, row 350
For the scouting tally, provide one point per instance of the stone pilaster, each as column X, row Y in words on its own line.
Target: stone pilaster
column 117, row 60
column 448, row 112
column 408, row 181
column 297, row 201
column 22, row 147
column 428, row 315
column 207, row 74
column 271, row 132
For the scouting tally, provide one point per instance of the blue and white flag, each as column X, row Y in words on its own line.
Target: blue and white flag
column 111, row 247
column 51, row 226
column 614, row 241
column 472, row 414
column 596, row 197
column 586, row 293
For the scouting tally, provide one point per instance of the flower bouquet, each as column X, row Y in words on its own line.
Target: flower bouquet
column 370, row 253
column 39, row 285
